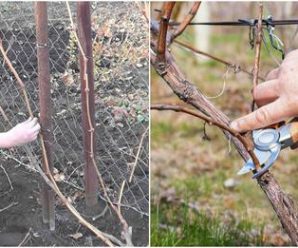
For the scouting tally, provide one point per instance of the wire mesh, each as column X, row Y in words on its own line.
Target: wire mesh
column 120, row 49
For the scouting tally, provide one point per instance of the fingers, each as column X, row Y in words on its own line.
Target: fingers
column 36, row 128
column 262, row 117
column 28, row 120
column 32, row 125
column 273, row 74
column 33, row 122
column 292, row 54
column 35, row 135
column 266, row 92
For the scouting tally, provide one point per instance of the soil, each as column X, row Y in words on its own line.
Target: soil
column 121, row 116
column 25, row 216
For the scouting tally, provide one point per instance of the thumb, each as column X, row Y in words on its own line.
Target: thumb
column 262, row 117
column 28, row 120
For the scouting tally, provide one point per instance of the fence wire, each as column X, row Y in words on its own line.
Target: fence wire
column 120, row 49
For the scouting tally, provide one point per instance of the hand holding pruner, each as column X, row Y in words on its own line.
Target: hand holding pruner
column 268, row 144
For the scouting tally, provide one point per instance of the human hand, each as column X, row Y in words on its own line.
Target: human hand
column 23, row 133
column 277, row 98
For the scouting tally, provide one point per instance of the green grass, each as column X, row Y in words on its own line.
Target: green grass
column 230, row 38
column 181, row 227
column 200, row 185
column 163, row 130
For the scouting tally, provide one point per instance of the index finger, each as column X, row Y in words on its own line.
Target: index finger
column 273, row 74
column 33, row 122
column 262, row 117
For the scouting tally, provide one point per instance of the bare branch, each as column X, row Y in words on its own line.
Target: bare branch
column 8, row 178
column 138, row 155
column 258, row 51
column 188, row 18
column 120, row 195
column 26, row 238
column 9, row 206
column 5, row 116
column 144, row 8
column 19, row 80
column 229, row 64
column 210, row 121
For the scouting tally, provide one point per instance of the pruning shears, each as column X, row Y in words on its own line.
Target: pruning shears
column 268, row 143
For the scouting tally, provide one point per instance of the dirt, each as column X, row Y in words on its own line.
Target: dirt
column 25, row 216
column 121, row 116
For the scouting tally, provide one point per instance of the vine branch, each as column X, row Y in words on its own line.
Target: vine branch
column 188, row 18
column 162, row 38
column 126, row 229
column 229, row 64
column 210, row 121
column 258, row 51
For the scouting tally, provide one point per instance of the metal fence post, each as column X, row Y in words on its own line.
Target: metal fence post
column 87, row 99
column 41, row 19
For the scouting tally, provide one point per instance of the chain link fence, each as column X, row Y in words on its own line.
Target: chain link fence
column 120, row 50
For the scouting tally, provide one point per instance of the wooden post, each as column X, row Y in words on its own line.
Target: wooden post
column 87, row 99
column 41, row 19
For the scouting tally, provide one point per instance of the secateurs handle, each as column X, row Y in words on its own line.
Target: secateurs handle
column 288, row 133
column 294, row 134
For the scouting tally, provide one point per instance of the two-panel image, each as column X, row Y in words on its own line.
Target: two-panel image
column 146, row 123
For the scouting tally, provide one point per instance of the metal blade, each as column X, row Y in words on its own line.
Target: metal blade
column 246, row 168
column 263, row 157
column 274, row 155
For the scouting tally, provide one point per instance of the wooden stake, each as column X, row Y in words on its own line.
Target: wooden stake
column 45, row 104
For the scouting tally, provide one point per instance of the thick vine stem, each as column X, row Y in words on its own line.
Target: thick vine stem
column 283, row 206
column 87, row 101
column 162, row 38
column 126, row 229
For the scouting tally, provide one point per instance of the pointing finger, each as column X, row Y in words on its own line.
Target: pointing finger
column 266, row 92
column 33, row 122
column 262, row 117
column 36, row 128
column 28, row 120
column 273, row 74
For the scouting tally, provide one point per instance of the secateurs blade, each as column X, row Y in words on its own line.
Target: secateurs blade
column 268, row 144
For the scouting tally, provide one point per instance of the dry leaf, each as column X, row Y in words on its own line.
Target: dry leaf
column 59, row 177
column 55, row 170
column 76, row 236
column 67, row 79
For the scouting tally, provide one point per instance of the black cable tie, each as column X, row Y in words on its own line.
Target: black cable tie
column 249, row 22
